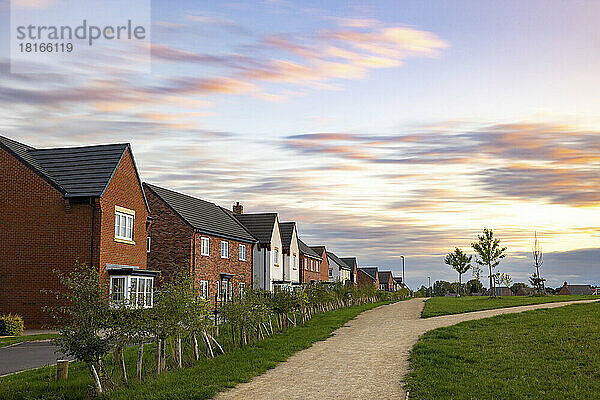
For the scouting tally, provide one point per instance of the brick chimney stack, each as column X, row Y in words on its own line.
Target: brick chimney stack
column 238, row 208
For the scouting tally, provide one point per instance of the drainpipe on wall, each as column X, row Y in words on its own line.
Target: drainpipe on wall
column 265, row 268
column 92, row 203
column 194, row 262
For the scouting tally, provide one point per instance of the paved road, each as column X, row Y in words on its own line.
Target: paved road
column 27, row 355
column 365, row 359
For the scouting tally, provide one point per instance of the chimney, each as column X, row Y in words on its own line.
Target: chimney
column 238, row 208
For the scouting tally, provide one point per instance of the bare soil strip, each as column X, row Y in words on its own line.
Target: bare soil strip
column 365, row 359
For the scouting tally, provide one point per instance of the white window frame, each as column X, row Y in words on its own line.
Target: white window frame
column 276, row 256
column 242, row 289
column 224, row 254
column 224, row 295
column 204, row 246
column 204, row 289
column 242, row 252
column 294, row 266
column 316, row 265
column 124, row 232
column 312, row 266
column 330, row 273
column 131, row 296
column 148, row 243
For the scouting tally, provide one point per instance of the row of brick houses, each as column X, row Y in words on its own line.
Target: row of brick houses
column 63, row 207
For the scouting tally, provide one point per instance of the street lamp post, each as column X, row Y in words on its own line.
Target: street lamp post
column 403, row 280
column 429, row 287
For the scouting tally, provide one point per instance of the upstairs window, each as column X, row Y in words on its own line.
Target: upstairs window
column 242, row 252
column 124, row 223
column 205, row 247
column 306, row 261
column 276, row 256
column 149, row 240
column 312, row 266
column 316, row 265
column 330, row 273
column 294, row 265
column 224, row 249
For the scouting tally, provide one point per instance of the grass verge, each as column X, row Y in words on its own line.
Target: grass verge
column 539, row 354
column 202, row 380
column 8, row 340
column 457, row 305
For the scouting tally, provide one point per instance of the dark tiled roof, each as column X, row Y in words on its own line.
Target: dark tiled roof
column 338, row 261
column 350, row 261
column 384, row 276
column 205, row 216
column 75, row 171
column 259, row 225
column 304, row 248
column 370, row 271
column 397, row 279
column 286, row 230
column 579, row 289
column 318, row 249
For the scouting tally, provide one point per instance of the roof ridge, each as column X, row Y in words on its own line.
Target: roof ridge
column 80, row 147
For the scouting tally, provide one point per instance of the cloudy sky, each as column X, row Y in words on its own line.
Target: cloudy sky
column 384, row 128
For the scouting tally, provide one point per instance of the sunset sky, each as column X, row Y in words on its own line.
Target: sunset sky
column 383, row 127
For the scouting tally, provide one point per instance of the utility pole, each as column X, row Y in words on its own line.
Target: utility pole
column 403, row 280
column 429, row 287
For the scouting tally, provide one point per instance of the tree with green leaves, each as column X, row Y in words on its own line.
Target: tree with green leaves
column 83, row 318
column 489, row 253
column 461, row 262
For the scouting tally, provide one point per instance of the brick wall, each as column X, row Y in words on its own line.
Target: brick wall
column 172, row 246
column 38, row 236
column 210, row 267
column 171, row 239
column 324, row 268
column 125, row 191
column 364, row 279
column 306, row 275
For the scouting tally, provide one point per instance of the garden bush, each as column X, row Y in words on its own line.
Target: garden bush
column 11, row 325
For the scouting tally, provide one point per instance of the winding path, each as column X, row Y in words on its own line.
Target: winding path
column 365, row 359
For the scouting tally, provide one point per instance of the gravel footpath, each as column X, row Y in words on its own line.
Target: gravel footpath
column 365, row 359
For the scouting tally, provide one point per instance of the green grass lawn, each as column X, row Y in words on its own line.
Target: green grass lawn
column 8, row 340
column 457, row 305
column 202, row 380
column 538, row 354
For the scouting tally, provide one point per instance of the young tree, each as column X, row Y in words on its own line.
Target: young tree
column 490, row 253
column 538, row 256
column 461, row 262
column 474, row 285
column 504, row 279
column 82, row 320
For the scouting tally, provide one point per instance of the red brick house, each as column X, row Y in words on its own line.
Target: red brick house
column 386, row 281
column 192, row 234
column 353, row 264
column 310, row 263
column 324, row 265
column 567, row 289
column 63, row 207
column 368, row 276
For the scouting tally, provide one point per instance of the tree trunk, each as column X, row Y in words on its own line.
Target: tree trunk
column 122, row 365
column 158, row 356
column 179, row 351
column 195, row 346
column 96, row 379
column 459, row 283
column 140, row 360
column 492, row 283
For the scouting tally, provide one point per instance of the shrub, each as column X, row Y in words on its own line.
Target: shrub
column 11, row 325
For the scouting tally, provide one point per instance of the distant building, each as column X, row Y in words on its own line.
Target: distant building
column 525, row 291
column 575, row 289
column 500, row 291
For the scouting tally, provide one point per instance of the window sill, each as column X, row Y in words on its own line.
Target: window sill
column 205, row 255
column 225, row 258
column 126, row 241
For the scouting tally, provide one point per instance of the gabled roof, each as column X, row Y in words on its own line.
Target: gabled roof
column 319, row 250
column 202, row 215
column 337, row 260
column 350, row 261
column 286, row 230
column 259, row 225
column 397, row 279
column 74, row 171
column 370, row 271
column 384, row 276
column 579, row 289
column 304, row 248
